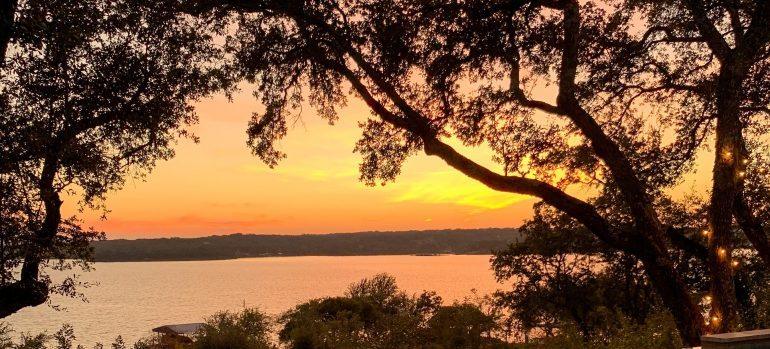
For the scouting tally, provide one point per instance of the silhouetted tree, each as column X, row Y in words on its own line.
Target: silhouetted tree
column 563, row 278
column 639, row 88
column 91, row 92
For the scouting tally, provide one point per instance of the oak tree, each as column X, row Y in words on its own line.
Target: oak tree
column 91, row 93
column 613, row 99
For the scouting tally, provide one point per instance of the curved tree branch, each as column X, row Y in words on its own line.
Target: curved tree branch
column 583, row 212
column 758, row 33
column 606, row 149
column 686, row 244
column 708, row 30
column 752, row 227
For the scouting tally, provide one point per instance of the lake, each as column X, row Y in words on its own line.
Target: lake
column 132, row 298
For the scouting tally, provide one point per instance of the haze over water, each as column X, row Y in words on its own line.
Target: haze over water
column 132, row 298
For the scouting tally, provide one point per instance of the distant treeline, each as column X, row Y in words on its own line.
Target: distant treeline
column 466, row 241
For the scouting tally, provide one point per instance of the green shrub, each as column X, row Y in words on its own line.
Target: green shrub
column 248, row 329
column 461, row 325
column 375, row 314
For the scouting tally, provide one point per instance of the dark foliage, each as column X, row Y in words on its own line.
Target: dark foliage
column 638, row 87
column 563, row 280
column 376, row 314
column 91, row 93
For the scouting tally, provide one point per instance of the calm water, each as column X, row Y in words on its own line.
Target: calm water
column 132, row 298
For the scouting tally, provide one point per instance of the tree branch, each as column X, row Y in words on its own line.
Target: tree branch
column 606, row 149
column 576, row 208
column 708, row 30
column 21, row 294
column 758, row 33
column 669, row 38
column 751, row 227
column 518, row 94
column 689, row 246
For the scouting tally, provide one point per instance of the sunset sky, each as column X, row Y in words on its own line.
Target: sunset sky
column 218, row 187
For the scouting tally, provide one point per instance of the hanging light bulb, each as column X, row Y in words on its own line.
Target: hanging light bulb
column 727, row 156
column 722, row 252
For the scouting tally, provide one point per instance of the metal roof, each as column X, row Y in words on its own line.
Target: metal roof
column 737, row 337
column 179, row 329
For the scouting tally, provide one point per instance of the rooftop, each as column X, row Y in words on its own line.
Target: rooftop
column 179, row 329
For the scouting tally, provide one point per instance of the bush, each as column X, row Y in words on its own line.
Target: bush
column 375, row 314
column 462, row 325
column 248, row 329
column 372, row 314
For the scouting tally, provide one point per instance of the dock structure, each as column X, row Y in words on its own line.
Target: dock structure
column 175, row 336
column 758, row 339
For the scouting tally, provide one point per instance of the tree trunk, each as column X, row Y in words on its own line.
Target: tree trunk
column 673, row 291
column 727, row 174
column 21, row 294
column 752, row 227
column 29, row 291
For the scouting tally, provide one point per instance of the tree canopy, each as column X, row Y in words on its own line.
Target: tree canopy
column 91, row 92
column 613, row 99
column 617, row 98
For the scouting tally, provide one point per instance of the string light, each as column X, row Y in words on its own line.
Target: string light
column 707, row 298
column 745, row 161
column 735, row 264
column 705, row 232
column 722, row 252
column 727, row 156
column 741, row 174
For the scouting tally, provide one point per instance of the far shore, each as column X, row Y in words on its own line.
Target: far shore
column 291, row 256
column 224, row 247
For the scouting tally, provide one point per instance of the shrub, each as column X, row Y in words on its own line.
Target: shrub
column 461, row 325
column 375, row 314
column 248, row 329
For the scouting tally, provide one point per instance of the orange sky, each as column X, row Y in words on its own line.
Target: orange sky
column 218, row 187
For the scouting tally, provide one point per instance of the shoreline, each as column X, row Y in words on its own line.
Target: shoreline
column 289, row 256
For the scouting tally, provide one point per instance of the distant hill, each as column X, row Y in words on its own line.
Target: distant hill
column 465, row 241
